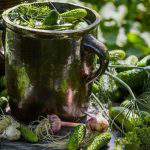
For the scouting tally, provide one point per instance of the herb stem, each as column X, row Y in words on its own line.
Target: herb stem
column 132, row 67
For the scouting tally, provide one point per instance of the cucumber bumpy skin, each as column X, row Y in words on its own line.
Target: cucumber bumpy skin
column 100, row 141
column 77, row 137
column 126, row 103
column 51, row 18
column 28, row 135
column 125, row 117
column 117, row 55
column 73, row 15
column 81, row 25
column 135, row 78
column 131, row 60
column 145, row 118
column 107, row 89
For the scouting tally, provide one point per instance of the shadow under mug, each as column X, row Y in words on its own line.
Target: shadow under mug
column 49, row 71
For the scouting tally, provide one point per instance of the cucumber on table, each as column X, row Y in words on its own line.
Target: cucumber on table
column 28, row 135
column 145, row 117
column 127, row 64
column 100, row 141
column 126, row 103
column 144, row 101
column 131, row 60
column 117, row 55
column 108, row 89
column 124, row 117
column 77, row 137
column 135, row 78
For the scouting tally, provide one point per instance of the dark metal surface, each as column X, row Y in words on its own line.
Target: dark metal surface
column 2, row 61
column 48, row 74
column 5, row 4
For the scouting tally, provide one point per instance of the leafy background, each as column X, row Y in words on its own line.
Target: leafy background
column 125, row 24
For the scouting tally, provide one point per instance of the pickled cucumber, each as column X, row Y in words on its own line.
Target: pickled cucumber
column 117, row 55
column 107, row 89
column 124, row 117
column 135, row 78
column 81, row 25
column 131, row 60
column 51, row 18
column 100, row 141
column 145, row 117
column 77, row 137
column 127, row 64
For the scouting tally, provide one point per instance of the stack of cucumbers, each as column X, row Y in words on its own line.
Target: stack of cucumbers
column 45, row 18
column 126, row 84
column 78, row 136
column 131, row 70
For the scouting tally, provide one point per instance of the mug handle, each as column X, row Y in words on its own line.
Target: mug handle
column 94, row 45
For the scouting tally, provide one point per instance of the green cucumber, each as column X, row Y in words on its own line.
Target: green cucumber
column 132, row 60
column 126, row 103
column 124, row 117
column 117, row 55
column 108, row 89
column 28, row 135
column 127, row 64
column 144, row 102
column 74, row 15
column 77, row 137
column 100, row 141
column 145, row 117
column 135, row 78
column 51, row 18
column 144, row 62
column 81, row 25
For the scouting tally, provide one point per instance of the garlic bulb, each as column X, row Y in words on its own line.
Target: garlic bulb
column 12, row 134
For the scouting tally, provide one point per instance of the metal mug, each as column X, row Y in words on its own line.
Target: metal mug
column 4, row 4
column 49, row 71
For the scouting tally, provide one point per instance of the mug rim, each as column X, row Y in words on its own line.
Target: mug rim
column 10, row 24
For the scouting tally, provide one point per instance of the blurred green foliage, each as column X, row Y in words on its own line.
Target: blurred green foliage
column 125, row 24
